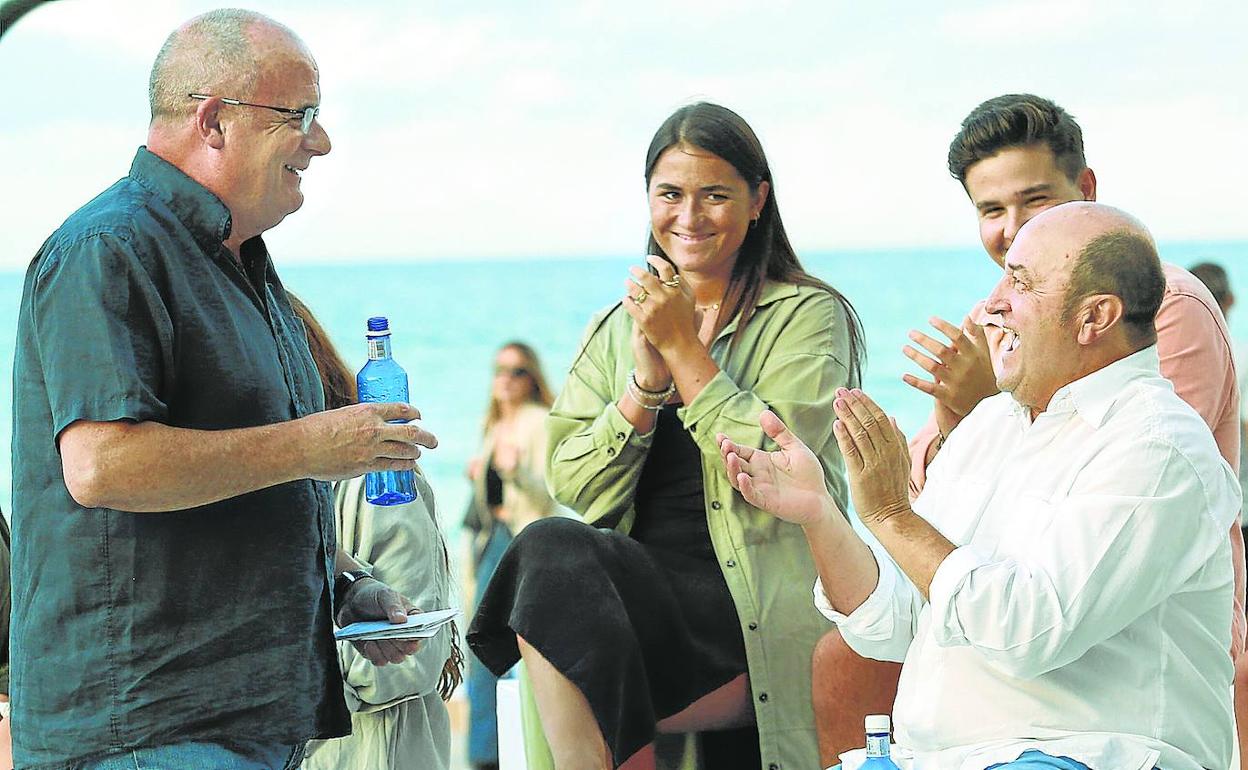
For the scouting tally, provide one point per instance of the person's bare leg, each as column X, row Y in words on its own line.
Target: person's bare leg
column 846, row 687
column 642, row 760
column 576, row 742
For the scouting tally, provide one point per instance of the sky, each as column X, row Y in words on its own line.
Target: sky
column 519, row 129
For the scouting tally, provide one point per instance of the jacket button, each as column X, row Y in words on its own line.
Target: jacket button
column 610, row 451
column 730, row 563
column 762, row 697
column 753, row 626
column 619, row 437
column 715, row 506
column 773, row 766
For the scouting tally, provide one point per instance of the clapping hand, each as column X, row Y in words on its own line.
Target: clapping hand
column 661, row 305
column 370, row 599
column 787, row 483
column 961, row 371
column 876, row 457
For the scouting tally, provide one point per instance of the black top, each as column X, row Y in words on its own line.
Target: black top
column 147, row 629
column 671, row 508
column 643, row 624
column 493, row 486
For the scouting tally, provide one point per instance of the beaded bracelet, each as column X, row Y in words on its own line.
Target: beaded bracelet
column 631, row 389
column 652, row 400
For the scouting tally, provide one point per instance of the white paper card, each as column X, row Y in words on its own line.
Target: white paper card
column 420, row 625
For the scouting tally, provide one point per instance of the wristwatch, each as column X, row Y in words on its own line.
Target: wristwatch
column 343, row 582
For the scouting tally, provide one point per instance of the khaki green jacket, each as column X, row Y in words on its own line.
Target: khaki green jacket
column 398, row 720
column 791, row 356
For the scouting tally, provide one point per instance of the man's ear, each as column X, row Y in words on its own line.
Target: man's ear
column 1097, row 316
column 1087, row 184
column 208, row 122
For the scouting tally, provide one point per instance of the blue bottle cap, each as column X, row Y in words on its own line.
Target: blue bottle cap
column 378, row 324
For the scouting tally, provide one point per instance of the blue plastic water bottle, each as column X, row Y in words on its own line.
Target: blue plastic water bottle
column 381, row 380
column 878, row 728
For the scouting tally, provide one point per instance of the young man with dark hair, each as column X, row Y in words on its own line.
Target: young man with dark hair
column 1016, row 156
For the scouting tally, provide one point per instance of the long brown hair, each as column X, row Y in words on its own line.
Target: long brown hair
column 539, row 391
column 339, row 386
column 766, row 254
column 336, row 378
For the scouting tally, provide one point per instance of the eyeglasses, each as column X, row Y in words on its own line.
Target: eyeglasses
column 511, row 371
column 305, row 115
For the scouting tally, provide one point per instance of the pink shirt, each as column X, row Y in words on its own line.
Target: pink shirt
column 1194, row 346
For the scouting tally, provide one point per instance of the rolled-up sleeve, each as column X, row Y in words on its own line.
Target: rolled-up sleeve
column 884, row 625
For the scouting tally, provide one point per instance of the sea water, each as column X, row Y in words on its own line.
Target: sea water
column 456, row 314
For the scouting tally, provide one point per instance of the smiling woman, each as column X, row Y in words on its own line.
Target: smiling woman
column 701, row 607
column 701, row 210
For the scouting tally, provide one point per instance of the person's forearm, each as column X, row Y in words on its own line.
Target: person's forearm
column 344, row 562
column 150, row 467
column 846, row 566
column 692, row 368
column 640, row 418
column 916, row 546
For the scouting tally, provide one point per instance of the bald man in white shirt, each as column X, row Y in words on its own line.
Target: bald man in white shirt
column 1060, row 591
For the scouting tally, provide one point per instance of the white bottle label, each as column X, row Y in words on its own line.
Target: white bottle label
column 877, row 745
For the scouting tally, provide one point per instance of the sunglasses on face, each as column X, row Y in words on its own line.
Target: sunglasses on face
column 511, row 371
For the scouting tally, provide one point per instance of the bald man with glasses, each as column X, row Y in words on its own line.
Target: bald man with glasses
column 175, row 566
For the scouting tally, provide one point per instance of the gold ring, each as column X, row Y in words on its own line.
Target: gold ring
column 641, row 297
column 672, row 284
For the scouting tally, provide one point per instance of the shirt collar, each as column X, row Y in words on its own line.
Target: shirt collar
column 1092, row 396
column 197, row 208
column 773, row 291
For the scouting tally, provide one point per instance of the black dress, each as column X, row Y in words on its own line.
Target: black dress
column 643, row 623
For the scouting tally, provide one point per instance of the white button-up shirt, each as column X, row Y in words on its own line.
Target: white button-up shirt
column 1086, row 611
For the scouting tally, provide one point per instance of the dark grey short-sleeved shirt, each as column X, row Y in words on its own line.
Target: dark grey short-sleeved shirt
column 134, row 629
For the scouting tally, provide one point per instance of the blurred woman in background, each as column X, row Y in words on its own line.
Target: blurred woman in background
column 509, row 492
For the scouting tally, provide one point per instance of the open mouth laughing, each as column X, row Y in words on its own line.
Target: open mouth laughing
column 1010, row 342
